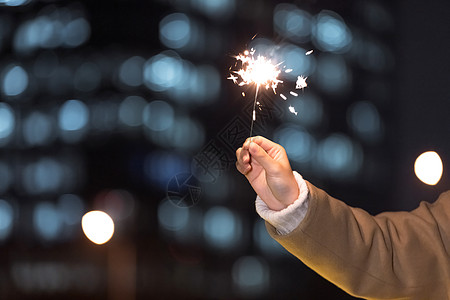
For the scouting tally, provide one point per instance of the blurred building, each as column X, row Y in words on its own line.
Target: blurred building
column 125, row 107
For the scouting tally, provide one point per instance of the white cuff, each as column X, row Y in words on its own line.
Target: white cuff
column 286, row 220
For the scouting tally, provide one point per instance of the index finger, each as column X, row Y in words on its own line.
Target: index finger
column 264, row 143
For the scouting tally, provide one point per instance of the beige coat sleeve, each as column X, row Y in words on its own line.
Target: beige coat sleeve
column 394, row 255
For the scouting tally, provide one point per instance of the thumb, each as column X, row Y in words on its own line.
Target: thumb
column 260, row 156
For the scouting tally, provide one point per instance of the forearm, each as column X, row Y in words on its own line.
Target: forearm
column 365, row 255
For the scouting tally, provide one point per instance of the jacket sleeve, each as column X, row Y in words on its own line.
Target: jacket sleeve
column 394, row 255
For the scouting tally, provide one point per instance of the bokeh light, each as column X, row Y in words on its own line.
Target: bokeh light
column 7, row 122
column 131, row 111
column 310, row 110
column 6, row 219
column 38, row 129
column 131, row 71
column 73, row 115
column 158, row 115
column 364, row 119
column 218, row 9
column 45, row 175
column 330, row 33
column 97, row 226
column 76, row 32
column 294, row 57
column 47, row 221
column 222, row 228
column 119, row 204
column 299, row 144
column 171, row 217
column 165, row 71
column 292, row 23
column 339, row 157
column 87, row 77
column 6, row 175
column 428, row 167
column 333, row 75
column 250, row 275
column 51, row 29
column 14, row 80
column 175, row 30
column 161, row 166
column 71, row 208
column 14, row 2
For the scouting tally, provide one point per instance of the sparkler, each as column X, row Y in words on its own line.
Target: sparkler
column 261, row 72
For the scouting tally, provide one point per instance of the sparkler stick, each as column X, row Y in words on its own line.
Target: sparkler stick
column 254, row 110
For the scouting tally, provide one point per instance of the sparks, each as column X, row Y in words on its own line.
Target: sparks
column 292, row 110
column 259, row 71
column 301, row 82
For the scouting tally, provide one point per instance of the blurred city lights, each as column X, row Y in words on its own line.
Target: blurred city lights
column 118, row 204
column 171, row 217
column 165, row 71
column 45, row 175
column 104, row 116
column 87, row 77
column 158, row 115
column 299, row 144
column 47, row 221
column 14, row 80
column 97, row 226
column 76, row 32
column 131, row 111
column 364, row 119
column 38, row 129
column 175, row 30
column 6, row 175
column 428, row 167
column 339, row 157
column 219, row 9
column 294, row 57
column 292, row 22
column 160, row 167
column 131, row 71
column 250, row 275
column 6, row 219
column 71, row 208
column 222, row 228
column 7, row 122
column 310, row 109
column 333, row 75
column 14, row 2
column 53, row 28
column 330, row 33
column 73, row 117
column 45, row 64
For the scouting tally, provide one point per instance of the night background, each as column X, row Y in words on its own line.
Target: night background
column 124, row 106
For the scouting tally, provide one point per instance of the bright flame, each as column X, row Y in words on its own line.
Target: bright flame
column 97, row 226
column 428, row 167
column 259, row 71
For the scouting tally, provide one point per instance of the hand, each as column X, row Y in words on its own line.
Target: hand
column 267, row 168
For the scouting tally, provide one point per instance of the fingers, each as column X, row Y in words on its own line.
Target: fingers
column 243, row 161
column 260, row 155
column 263, row 143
